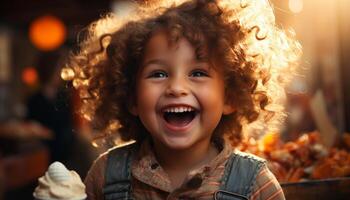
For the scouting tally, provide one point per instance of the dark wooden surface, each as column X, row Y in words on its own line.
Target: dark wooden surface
column 330, row 189
column 25, row 167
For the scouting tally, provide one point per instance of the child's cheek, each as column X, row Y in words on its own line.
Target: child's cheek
column 147, row 95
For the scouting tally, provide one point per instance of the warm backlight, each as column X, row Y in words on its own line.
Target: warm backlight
column 296, row 6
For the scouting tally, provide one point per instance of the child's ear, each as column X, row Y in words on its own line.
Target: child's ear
column 228, row 109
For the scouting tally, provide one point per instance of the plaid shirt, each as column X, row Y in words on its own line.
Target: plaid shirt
column 149, row 180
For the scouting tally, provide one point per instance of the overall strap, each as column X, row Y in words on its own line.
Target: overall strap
column 239, row 177
column 117, row 174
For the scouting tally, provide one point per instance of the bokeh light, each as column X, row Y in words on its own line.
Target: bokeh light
column 47, row 32
column 296, row 6
column 30, row 76
column 123, row 8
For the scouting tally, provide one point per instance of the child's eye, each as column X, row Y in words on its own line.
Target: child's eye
column 157, row 74
column 199, row 73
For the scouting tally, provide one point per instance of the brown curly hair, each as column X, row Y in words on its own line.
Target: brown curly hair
column 105, row 69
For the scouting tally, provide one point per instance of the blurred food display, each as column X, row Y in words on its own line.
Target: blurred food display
column 305, row 158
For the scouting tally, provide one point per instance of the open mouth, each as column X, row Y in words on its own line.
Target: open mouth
column 179, row 117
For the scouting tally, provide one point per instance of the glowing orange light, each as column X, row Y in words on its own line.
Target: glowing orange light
column 47, row 32
column 30, row 76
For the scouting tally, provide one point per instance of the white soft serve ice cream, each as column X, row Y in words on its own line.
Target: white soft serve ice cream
column 59, row 183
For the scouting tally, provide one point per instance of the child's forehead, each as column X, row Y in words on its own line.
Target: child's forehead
column 160, row 46
column 162, row 41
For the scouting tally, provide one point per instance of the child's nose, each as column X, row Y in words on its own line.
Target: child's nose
column 177, row 87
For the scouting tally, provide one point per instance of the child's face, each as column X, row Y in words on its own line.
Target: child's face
column 179, row 99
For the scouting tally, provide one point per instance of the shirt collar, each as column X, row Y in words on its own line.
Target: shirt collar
column 146, row 168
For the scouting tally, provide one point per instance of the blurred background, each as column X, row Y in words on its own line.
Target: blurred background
column 38, row 121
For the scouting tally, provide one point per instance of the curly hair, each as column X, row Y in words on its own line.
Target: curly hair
column 255, row 56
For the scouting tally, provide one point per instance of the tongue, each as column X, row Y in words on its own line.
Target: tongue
column 179, row 119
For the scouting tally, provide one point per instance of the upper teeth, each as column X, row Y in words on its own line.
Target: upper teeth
column 178, row 109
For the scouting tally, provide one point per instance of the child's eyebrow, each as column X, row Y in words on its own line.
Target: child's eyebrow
column 155, row 61
column 164, row 63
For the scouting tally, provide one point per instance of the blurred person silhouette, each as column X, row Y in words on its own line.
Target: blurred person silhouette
column 50, row 106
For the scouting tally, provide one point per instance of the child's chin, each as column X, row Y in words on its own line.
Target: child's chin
column 178, row 145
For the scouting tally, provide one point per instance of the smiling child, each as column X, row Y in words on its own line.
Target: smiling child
column 183, row 79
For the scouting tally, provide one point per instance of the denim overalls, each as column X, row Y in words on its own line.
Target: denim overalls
column 236, row 184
